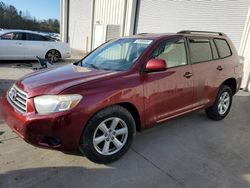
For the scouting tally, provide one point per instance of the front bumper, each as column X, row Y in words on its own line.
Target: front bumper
column 60, row 131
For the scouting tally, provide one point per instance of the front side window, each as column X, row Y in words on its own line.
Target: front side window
column 118, row 55
column 223, row 47
column 12, row 36
column 173, row 52
column 200, row 50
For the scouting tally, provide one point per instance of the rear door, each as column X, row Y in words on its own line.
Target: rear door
column 169, row 93
column 36, row 45
column 206, row 69
column 11, row 46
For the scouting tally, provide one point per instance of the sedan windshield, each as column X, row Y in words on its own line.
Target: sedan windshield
column 118, row 55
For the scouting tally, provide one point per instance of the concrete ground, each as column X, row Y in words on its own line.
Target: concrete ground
column 189, row 151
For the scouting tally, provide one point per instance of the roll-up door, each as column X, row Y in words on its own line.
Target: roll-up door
column 160, row 16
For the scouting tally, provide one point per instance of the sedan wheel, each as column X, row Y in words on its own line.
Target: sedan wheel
column 53, row 55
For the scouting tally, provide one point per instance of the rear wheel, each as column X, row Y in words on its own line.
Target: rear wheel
column 222, row 104
column 108, row 135
column 53, row 55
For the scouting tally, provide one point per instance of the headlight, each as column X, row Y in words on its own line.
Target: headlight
column 56, row 103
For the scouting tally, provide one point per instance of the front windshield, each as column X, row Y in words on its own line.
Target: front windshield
column 118, row 55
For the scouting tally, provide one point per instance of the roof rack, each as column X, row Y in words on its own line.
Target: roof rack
column 202, row 32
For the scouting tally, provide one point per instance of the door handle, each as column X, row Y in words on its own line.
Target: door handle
column 219, row 68
column 188, row 74
column 19, row 43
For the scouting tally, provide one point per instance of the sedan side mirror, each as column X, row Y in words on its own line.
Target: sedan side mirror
column 155, row 65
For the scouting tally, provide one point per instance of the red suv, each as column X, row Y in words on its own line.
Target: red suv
column 128, row 84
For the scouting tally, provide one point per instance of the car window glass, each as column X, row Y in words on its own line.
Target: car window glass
column 7, row 36
column 223, row 47
column 115, row 52
column 48, row 38
column 12, row 36
column 173, row 52
column 34, row 37
column 200, row 50
column 214, row 50
column 125, row 52
column 119, row 54
column 18, row 36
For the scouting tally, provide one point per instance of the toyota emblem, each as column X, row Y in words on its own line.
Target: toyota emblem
column 13, row 94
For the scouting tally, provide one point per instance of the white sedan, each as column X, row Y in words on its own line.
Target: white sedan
column 26, row 45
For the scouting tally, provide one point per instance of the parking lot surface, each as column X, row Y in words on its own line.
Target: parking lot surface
column 189, row 151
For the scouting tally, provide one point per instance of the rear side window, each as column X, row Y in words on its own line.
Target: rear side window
column 223, row 47
column 200, row 50
column 34, row 37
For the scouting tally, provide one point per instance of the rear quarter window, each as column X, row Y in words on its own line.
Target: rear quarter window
column 223, row 48
column 214, row 50
column 200, row 50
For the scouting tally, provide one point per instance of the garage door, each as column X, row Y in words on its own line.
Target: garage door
column 226, row 16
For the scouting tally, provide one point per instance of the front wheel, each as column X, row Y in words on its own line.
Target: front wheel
column 108, row 135
column 222, row 104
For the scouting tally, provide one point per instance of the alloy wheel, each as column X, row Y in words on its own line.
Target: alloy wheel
column 53, row 55
column 110, row 136
column 224, row 102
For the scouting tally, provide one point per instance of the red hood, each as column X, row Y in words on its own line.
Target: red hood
column 53, row 81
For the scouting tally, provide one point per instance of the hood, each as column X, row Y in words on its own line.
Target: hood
column 54, row 81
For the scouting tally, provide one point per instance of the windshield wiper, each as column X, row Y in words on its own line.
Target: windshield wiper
column 92, row 65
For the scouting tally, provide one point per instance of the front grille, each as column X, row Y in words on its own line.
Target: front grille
column 18, row 99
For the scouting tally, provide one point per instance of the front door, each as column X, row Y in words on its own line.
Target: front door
column 169, row 93
column 11, row 46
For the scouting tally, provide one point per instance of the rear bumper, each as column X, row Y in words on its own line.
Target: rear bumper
column 61, row 131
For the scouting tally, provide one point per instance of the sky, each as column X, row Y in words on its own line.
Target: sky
column 41, row 9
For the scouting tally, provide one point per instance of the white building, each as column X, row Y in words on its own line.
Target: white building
column 85, row 24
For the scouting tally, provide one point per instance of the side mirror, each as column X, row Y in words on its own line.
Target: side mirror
column 155, row 65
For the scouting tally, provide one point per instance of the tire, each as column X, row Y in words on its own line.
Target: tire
column 219, row 111
column 53, row 55
column 96, row 138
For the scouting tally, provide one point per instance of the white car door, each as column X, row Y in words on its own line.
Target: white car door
column 36, row 46
column 11, row 46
